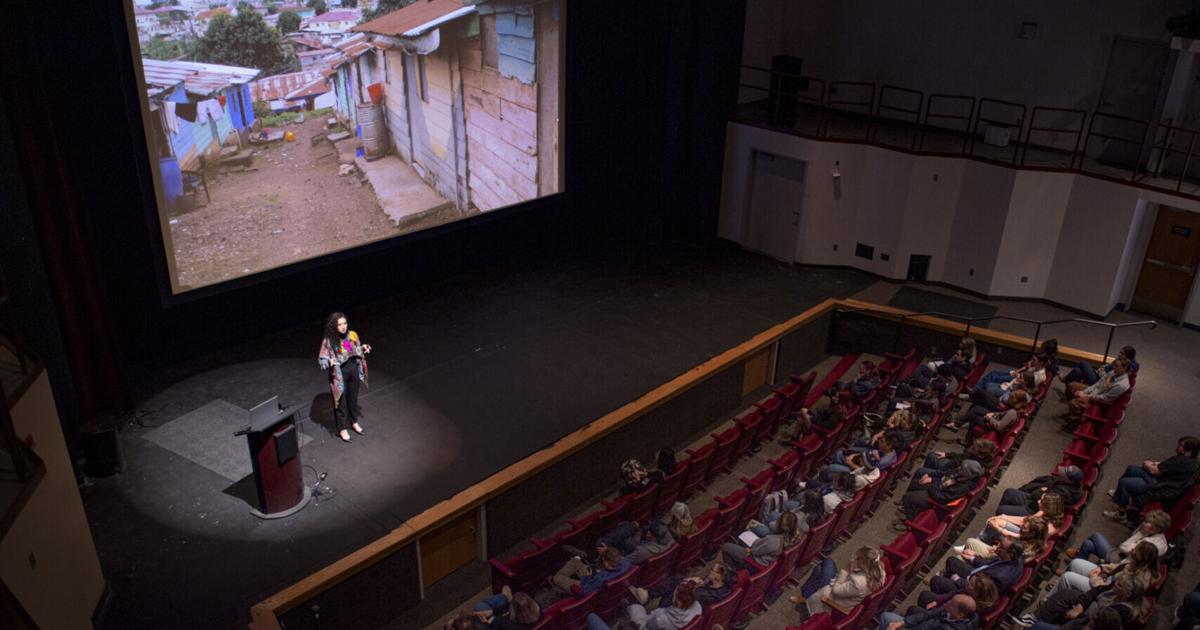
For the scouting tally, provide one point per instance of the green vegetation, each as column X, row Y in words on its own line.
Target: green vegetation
column 246, row 40
column 166, row 49
column 384, row 7
column 289, row 21
column 284, row 118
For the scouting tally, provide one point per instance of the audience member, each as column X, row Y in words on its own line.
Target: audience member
column 1109, row 388
column 576, row 573
column 1083, row 372
column 943, row 487
column 980, row 419
column 634, row 477
column 710, row 589
column 679, row 521
column 1152, row 529
column 683, row 609
column 1033, row 534
column 1051, row 508
column 1004, row 569
column 1065, row 481
column 958, row 613
column 767, row 548
column 1071, row 609
column 1179, row 468
column 846, row 587
column 508, row 611
column 1083, row 575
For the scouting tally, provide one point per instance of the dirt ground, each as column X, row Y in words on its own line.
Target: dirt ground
column 292, row 206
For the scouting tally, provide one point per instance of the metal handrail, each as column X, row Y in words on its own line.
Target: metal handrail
column 902, row 319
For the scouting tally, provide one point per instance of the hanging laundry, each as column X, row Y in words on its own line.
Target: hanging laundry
column 210, row 108
column 170, row 121
column 186, row 111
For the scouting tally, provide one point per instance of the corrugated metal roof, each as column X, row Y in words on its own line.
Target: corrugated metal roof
column 316, row 88
column 201, row 79
column 411, row 17
column 282, row 85
column 334, row 16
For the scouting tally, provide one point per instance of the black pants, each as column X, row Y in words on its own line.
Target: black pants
column 346, row 411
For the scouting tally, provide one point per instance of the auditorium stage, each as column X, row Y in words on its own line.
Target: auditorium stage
column 466, row 377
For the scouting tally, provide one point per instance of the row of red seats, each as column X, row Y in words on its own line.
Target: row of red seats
column 716, row 524
column 906, row 553
column 934, row 529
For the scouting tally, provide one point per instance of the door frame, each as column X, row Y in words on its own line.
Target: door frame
column 748, row 200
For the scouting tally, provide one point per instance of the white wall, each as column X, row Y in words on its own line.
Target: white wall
column 978, row 225
column 956, row 47
column 1078, row 239
column 929, row 211
column 1091, row 244
column 1036, row 210
column 64, row 583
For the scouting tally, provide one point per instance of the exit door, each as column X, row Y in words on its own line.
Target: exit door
column 1169, row 270
column 775, row 197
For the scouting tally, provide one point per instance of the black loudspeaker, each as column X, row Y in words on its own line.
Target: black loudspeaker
column 786, row 84
column 101, row 449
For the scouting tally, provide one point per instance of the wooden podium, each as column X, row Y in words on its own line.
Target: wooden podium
column 275, row 455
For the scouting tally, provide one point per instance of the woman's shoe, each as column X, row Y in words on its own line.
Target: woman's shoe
column 357, row 428
column 345, row 435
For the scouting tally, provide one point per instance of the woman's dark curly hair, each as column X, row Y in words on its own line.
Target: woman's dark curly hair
column 331, row 331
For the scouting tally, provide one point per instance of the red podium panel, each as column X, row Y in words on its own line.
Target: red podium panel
column 275, row 456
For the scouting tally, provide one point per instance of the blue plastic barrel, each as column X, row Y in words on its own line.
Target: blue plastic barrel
column 172, row 179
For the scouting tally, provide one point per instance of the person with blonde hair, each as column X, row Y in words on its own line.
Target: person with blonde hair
column 1083, row 575
column 846, row 587
column 1033, row 535
column 1152, row 530
column 1050, row 508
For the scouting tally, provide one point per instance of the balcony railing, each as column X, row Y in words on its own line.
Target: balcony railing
column 1155, row 155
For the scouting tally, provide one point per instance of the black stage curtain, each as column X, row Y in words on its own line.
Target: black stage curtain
column 85, row 319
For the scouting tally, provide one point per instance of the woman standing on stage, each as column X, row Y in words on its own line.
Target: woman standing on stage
column 343, row 356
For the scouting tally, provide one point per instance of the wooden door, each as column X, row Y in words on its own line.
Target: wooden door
column 1169, row 270
column 449, row 547
column 1132, row 82
column 777, row 189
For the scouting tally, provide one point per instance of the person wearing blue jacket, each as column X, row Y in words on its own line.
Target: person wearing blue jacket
column 576, row 572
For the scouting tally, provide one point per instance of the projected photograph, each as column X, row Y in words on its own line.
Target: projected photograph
column 283, row 132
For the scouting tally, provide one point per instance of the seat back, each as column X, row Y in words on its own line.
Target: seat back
column 845, row 514
column 875, row 600
column 573, row 615
column 991, row 618
column 656, row 568
column 615, row 513
column 784, row 574
column 534, row 566
column 670, row 488
column 756, row 490
column 721, row 613
column 816, row 539
column 641, row 505
column 850, row 621
column 805, row 383
column 724, row 521
column 725, row 442
column 786, row 467
column 771, row 409
column 692, row 547
column 755, row 591
column 609, row 597
column 750, row 424
column 698, row 465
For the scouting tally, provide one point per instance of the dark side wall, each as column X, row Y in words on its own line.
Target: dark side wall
column 648, row 88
